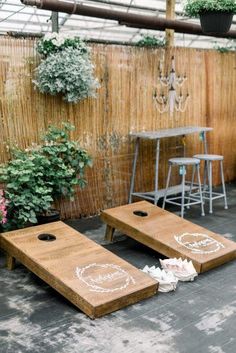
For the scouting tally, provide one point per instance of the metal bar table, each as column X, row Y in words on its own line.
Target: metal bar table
column 158, row 135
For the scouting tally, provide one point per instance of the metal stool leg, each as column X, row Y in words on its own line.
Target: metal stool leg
column 210, row 186
column 223, row 183
column 183, row 192
column 167, row 186
column 134, row 169
column 191, row 185
column 200, row 190
column 205, row 176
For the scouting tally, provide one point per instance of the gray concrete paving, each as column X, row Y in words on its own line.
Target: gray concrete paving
column 198, row 317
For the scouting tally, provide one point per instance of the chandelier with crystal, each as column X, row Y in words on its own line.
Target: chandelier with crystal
column 172, row 100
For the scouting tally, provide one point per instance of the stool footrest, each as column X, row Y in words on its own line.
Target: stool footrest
column 191, row 201
column 218, row 195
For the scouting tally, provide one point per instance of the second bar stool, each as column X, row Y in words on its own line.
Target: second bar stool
column 182, row 163
column 210, row 195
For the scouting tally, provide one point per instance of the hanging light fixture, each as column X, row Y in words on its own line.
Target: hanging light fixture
column 171, row 101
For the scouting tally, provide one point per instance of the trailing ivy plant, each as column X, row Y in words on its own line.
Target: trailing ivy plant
column 65, row 69
column 151, row 41
column 193, row 8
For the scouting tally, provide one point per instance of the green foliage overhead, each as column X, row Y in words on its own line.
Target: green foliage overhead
column 229, row 47
column 193, row 8
column 37, row 176
column 151, row 41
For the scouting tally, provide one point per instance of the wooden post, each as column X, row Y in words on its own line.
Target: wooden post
column 10, row 262
column 170, row 15
column 55, row 24
column 109, row 233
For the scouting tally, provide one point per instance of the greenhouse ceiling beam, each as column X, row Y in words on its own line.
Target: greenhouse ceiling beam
column 150, row 9
column 141, row 8
column 124, row 18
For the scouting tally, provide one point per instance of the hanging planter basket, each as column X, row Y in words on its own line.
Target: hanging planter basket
column 215, row 22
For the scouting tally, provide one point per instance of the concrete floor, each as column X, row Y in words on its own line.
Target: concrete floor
column 199, row 317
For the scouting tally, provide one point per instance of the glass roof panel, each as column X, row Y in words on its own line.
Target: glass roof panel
column 16, row 17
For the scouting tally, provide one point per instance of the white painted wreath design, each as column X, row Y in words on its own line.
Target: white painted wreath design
column 95, row 283
column 197, row 246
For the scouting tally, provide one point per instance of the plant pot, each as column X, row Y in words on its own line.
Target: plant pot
column 51, row 216
column 216, row 22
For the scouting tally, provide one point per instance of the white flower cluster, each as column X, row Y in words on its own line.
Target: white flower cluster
column 59, row 39
column 53, row 42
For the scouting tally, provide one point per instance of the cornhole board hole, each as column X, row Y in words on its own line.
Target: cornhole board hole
column 169, row 234
column 91, row 277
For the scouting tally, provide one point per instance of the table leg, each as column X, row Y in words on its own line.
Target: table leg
column 134, row 169
column 10, row 262
column 205, row 142
column 206, row 166
column 156, row 197
column 183, row 192
column 109, row 233
column 184, row 145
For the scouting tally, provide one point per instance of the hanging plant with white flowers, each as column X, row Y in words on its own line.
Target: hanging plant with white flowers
column 66, row 68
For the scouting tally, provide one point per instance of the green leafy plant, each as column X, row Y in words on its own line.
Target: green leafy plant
column 151, row 41
column 66, row 69
column 35, row 177
column 67, row 159
column 193, row 8
column 26, row 192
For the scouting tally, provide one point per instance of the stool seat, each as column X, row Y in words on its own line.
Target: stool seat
column 208, row 194
column 184, row 161
column 209, row 157
column 183, row 164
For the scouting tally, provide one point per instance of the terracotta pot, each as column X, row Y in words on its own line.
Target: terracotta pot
column 216, row 22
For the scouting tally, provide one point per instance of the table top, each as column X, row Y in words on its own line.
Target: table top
column 179, row 131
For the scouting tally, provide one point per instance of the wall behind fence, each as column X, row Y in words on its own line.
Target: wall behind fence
column 128, row 78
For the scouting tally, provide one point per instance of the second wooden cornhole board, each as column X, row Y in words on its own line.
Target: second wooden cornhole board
column 91, row 277
column 169, row 234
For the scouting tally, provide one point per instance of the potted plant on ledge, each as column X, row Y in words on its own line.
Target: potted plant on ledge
column 215, row 15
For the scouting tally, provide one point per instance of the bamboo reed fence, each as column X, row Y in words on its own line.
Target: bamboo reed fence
column 128, row 77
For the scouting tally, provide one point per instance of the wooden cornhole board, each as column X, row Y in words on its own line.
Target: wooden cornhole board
column 169, row 234
column 91, row 277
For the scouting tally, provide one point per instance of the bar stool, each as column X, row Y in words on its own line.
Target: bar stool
column 182, row 163
column 208, row 159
